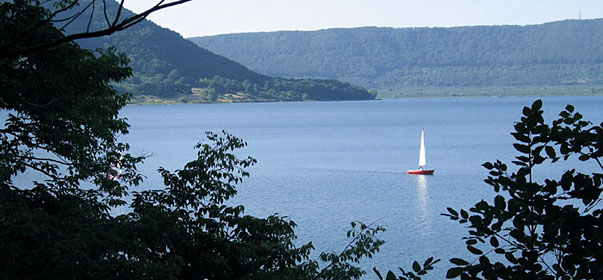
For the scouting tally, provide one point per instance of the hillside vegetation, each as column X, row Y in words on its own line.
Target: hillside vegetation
column 558, row 53
column 168, row 66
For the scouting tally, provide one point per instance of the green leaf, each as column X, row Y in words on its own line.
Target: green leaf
column 526, row 111
column 458, row 261
column 537, row 105
column 476, row 220
column 521, row 137
column 416, row 266
column 550, row 151
column 494, row 241
column 474, row 250
column 522, row 148
column 454, row 272
column 482, row 205
column 452, row 211
column 511, row 258
column 488, row 165
column 499, row 202
column 391, row 276
column 513, row 206
column 523, row 158
column 464, row 214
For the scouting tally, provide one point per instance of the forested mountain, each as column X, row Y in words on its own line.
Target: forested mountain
column 557, row 53
column 167, row 65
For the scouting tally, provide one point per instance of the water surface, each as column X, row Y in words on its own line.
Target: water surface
column 326, row 164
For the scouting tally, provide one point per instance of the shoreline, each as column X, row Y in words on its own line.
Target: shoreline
column 163, row 101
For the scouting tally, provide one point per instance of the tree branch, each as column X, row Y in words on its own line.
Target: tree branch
column 91, row 17
column 121, row 6
column 61, row 161
column 105, row 12
column 356, row 238
column 41, row 22
column 124, row 24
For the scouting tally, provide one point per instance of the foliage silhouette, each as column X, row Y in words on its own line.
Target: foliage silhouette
column 61, row 131
column 539, row 230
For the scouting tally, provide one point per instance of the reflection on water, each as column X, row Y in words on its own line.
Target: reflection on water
column 422, row 192
column 423, row 203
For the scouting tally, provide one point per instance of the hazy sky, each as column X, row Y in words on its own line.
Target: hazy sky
column 210, row 17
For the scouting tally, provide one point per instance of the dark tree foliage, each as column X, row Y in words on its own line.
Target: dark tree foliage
column 185, row 231
column 61, row 126
column 550, row 229
column 416, row 273
column 558, row 53
column 62, row 114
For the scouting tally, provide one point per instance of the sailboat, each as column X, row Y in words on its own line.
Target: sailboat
column 422, row 160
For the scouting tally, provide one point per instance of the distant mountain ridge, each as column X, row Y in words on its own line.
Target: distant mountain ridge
column 167, row 65
column 556, row 53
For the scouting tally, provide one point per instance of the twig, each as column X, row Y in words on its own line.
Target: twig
column 126, row 23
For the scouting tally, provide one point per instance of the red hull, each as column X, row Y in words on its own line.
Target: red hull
column 421, row 172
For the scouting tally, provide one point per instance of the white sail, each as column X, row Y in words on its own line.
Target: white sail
column 422, row 160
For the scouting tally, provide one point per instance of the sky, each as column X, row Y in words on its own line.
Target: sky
column 212, row 17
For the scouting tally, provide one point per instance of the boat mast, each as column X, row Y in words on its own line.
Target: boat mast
column 422, row 159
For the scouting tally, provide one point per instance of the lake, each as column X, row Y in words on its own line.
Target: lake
column 326, row 164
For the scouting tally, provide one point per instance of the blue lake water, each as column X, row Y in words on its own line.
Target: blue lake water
column 325, row 164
